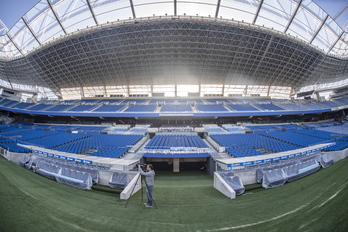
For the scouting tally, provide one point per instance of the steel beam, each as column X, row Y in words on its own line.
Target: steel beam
column 92, row 12
column 257, row 12
column 56, row 16
column 293, row 16
column 317, row 32
column 31, row 31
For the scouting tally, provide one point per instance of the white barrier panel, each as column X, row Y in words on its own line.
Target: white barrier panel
column 133, row 187
column 223, row 187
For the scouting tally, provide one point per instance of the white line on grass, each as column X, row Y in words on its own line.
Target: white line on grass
column 67, row 223
column 18, row 187
column 308, row 223
column 333, row 196
column 260, row 222
column 283, row 215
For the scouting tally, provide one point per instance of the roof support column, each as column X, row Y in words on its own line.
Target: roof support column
column 92, row 12
column 293, row 16
column 132, row 7
column 217, row 8
column 82, row 92
column 26, row 24
column 175, row 6
column 334, row 44
column 20, row 51
column 317, row 32
column 56, row 16
column 257, row 12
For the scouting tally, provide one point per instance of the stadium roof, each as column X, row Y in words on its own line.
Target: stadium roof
column 76, row 45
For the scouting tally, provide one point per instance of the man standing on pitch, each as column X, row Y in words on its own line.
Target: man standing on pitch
column 149, row 181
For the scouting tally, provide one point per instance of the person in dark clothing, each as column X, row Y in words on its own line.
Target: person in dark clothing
column 149, row 181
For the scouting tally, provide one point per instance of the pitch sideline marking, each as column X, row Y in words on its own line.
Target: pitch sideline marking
column 67, row 223
column 18, row 187
column 280, row 216
column 333, row 196
column 260, row 222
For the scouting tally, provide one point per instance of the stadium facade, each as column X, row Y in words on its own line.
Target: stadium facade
column 71, row 49
column 174, row 72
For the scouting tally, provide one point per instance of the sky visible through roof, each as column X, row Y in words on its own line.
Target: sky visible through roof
column 12, row 10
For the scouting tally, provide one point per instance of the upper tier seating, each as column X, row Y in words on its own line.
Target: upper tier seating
column 137, row 101
column 110, row 101
column 208, row 108
column 165, row 101
column 23, row 105
column 268, row 107
column 186, row 101
column 290, row 106
column 241, row 107
column 88, row 101
column 215, row 100
column 336, row 129
column 40, row 107
column 82, row 108
column 176, row 108
column 328, row 104
column 141, row 108
column 8, row 103
column 312, row 106
column 58, row 108
column 342, row 101
column 203, row 105
column 109, row 108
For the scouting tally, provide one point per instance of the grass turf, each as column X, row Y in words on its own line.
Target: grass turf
column 186, row 201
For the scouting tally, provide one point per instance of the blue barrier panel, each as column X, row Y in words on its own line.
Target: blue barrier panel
column 235, row 165
column 249, row 163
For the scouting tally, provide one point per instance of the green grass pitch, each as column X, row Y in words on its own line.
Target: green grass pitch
column 186, row 201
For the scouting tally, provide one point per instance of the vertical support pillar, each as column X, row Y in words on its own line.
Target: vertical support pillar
column 176, row 165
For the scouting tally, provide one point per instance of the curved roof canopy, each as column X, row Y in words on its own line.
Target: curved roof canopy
column 79, row 43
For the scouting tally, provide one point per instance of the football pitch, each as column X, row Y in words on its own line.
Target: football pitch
column 186, row 201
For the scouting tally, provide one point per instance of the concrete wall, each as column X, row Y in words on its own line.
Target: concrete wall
column 337, row 155
column 14, row 157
